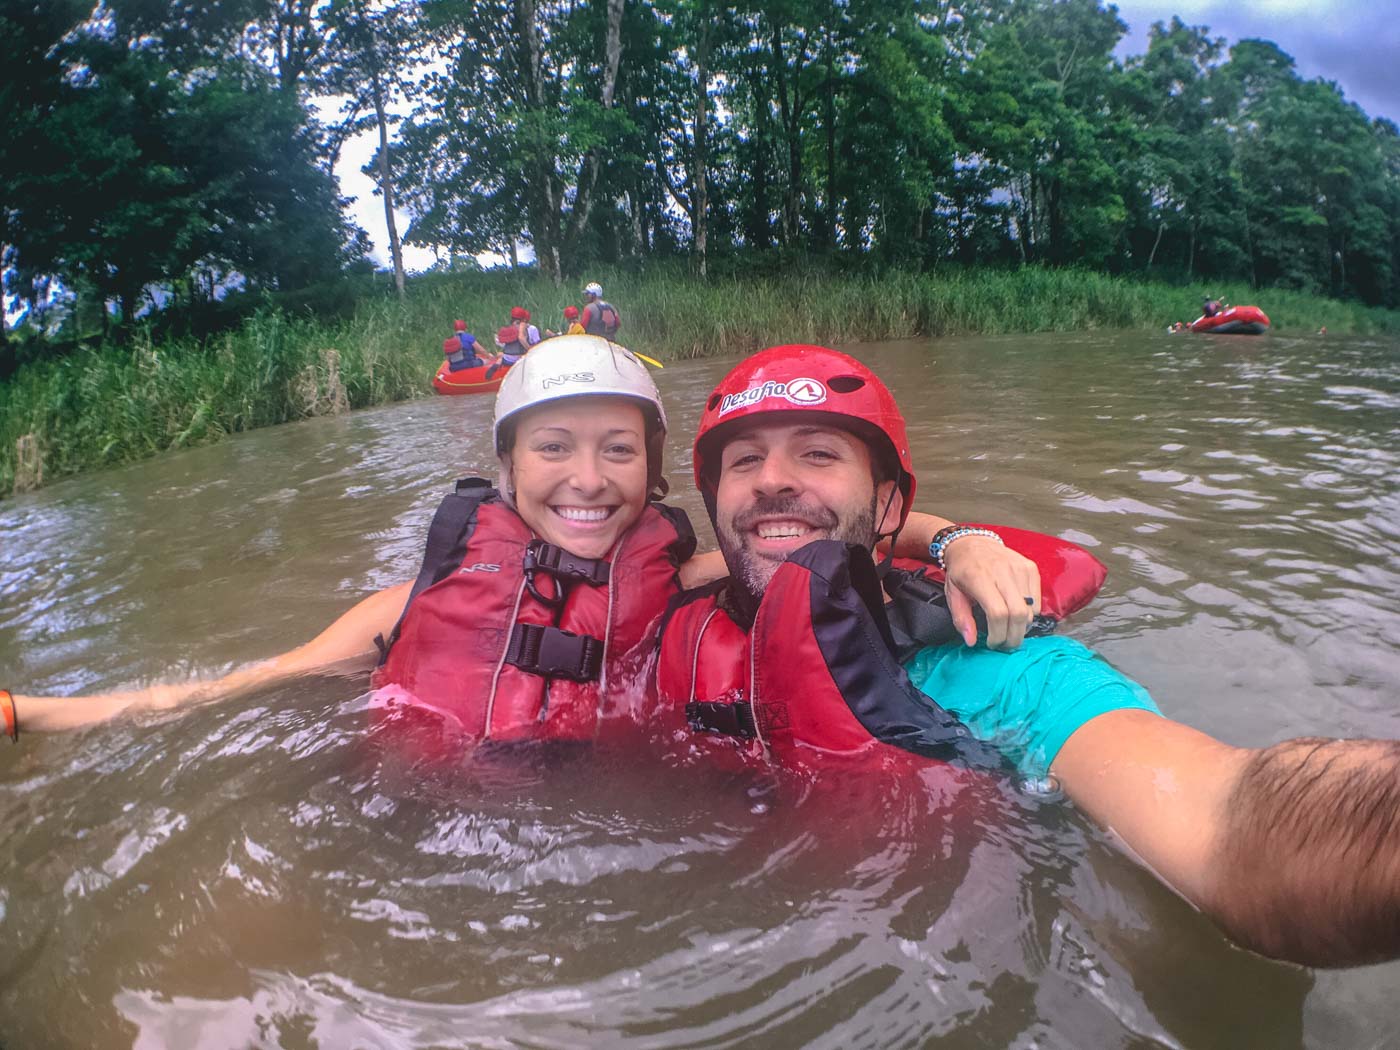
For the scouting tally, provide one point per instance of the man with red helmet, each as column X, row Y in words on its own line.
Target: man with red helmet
column 1292, row 849
column 803, row 391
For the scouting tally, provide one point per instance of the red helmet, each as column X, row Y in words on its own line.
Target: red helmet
column 519, row 313
column 571, row 313
column 802, row 378
column 459, row 326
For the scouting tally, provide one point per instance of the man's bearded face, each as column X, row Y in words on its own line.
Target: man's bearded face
column 783, row 485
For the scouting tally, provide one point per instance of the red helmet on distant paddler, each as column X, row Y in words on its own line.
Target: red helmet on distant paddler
column 809, row 379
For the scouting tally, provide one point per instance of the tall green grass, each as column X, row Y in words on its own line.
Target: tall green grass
column 112, row 404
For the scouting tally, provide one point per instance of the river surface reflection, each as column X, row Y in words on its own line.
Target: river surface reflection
column 253, row 874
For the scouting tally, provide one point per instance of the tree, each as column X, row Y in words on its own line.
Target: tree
column 160, row 154
column 527, row 118
column 371, row 54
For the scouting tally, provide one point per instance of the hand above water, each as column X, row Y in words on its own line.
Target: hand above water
column 982, row 572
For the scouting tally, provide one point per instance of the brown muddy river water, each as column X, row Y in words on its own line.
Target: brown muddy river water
column 249, row 874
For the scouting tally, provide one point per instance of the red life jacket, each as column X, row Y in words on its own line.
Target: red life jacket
column 513, row 638
column 817, row 676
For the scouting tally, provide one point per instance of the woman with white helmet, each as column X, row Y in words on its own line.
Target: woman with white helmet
column 539, row 597
column 524, row 614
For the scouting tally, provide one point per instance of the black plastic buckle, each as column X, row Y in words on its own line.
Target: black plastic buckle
column 556, row 561
column 718, row 716
column 559, row 563
column 554, row 653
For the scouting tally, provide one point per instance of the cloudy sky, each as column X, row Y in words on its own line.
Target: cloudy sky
column 1353, row 43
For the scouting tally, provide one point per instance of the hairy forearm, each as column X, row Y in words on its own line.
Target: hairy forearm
column 1307, row 863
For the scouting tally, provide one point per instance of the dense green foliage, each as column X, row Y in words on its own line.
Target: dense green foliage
column 110, row 405
column 149, row 154
column 896, row 132
column 164, row 153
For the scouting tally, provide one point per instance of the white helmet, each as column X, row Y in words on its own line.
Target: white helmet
column 580, row 366
column 594, row 289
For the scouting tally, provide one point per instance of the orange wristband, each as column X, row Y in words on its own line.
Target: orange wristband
column 10, row 715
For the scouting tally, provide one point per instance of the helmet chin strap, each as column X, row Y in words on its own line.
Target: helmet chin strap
column 505, row 480
column 888, row 561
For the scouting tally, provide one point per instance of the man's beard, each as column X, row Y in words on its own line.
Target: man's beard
column 752, row 572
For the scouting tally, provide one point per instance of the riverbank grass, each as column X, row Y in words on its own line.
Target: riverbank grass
column 107, row 405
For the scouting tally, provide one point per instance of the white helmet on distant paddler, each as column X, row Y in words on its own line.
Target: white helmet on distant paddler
column 594, row 289
column 579, row 366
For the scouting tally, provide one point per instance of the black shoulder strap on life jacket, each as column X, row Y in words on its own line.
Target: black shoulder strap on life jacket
column 918, row 612
column 684, row 547
column 919, row 616
column 853, row 631
column 452, row 527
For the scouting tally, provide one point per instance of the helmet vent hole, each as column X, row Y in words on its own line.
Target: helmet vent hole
column 846, row 384
column 715, row 399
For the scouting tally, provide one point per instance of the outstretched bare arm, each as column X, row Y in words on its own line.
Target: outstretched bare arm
column 1294, row 849
column 347, row 645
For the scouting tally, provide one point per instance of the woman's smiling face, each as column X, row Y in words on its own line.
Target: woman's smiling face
column 578, row 468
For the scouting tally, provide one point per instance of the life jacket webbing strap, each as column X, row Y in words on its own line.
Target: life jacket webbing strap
column 718, row 716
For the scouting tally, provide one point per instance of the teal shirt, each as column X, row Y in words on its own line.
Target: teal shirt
column 1025, row 703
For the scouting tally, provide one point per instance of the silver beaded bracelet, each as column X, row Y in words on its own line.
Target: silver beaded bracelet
column 939, row 546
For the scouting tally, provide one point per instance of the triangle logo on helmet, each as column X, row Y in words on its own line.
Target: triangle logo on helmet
column 805, row 392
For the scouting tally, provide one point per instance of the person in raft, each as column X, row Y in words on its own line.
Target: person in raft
column 1292, row 849
column 512, row 349
column 549, row 583
column 520, row 318
column 599, row 317
column 1210, row 306
column 461, row 349
column 571, row 325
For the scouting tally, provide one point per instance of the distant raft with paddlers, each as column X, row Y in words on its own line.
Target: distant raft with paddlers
column 468, row 380
column 1234, row 320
